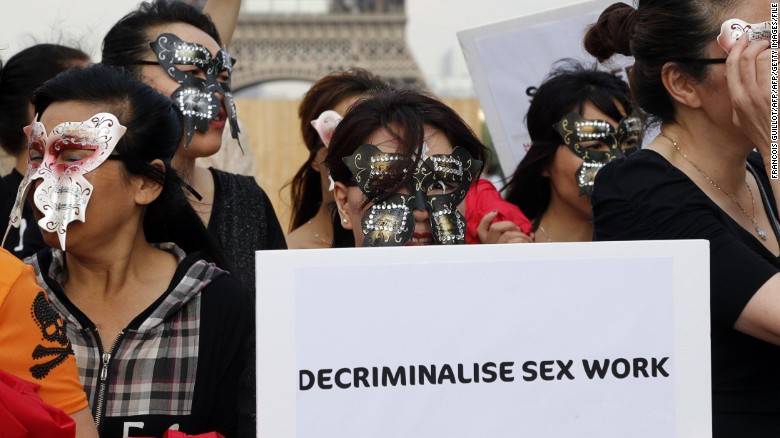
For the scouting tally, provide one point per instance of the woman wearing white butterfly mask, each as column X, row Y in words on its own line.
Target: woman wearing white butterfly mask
column 131, row 270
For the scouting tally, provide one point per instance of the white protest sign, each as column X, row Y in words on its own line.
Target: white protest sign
column 607, row 339
column 506, row 59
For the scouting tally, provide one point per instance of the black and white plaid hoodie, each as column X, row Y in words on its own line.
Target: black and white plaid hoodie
column 176, row 365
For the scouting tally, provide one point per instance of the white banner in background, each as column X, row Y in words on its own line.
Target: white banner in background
column 588, row 340
column 506, row 59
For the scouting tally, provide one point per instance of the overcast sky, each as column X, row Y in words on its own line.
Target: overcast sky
column 431, row 29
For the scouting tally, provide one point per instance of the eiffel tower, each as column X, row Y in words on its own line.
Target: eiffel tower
column 291, row 42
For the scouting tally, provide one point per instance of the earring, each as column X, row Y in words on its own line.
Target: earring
column 344, row 220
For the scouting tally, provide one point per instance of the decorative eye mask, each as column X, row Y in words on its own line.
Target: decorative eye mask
column 731, row 30
column 61, row 159
column 196, row 97
column 579, row 135
column 629, row 134
column 439, row 183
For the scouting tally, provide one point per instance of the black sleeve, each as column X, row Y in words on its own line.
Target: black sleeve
column 227, row 328
column 274, row 233
column 646, row 198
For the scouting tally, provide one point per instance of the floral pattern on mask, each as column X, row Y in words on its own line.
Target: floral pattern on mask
column 63, row 194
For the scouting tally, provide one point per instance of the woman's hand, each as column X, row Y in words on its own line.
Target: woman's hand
column 500, row 232
column 748, row 76
column 749, row 81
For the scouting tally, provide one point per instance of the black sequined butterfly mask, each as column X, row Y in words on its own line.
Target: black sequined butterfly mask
column 597, row 143
column 438, row 184
column 196, row 96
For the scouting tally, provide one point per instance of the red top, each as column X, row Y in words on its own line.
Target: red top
column 24, row 414
column 481, row 199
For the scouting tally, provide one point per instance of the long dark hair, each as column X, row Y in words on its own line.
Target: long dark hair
column 658, row 32
column 325, row 94
column 127, row 42
column 154, row 131
column 568, row 87
column 22, row 74
column 403, row 113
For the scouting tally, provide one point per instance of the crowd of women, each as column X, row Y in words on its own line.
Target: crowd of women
column 138, row 296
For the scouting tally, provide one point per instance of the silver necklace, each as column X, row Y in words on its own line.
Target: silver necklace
column 546, row 236
column 760, row 231
column 317, row 235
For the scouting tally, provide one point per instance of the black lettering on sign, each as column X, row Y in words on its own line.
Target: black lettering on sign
column 340, row 383
column 361, row 375
column 446, row 373
column 393, row 379
column 429, row 374
column 310, row 380
column 529, row 371
column 548, row 370
column 565, row 369
column 487, row 372
column 640, row 366
column 595, row 368
column 324, row 377
column 658, row 367
column 461, row 378
column 505, row 371
column 622, row 368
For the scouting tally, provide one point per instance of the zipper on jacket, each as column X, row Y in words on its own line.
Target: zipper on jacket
column 105, row 357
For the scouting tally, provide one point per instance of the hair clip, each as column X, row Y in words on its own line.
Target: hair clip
column 325, row 124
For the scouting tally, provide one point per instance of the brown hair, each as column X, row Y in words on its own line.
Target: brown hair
column 325, row 94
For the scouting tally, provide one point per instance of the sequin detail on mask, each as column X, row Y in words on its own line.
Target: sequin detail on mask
column 438, row 184
column 574, row 129
column 629, row 134
column 196, row 97
column 387, row 223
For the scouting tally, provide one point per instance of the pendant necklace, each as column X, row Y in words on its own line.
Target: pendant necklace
column 317, row 235
column 760, row 231
column 546, row 236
